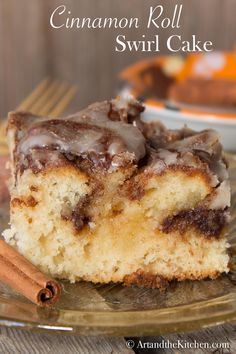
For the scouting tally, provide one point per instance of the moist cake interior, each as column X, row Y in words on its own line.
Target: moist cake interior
column 103, row 196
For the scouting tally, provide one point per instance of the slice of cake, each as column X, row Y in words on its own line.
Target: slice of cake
column 207, row 92
column 104, row 197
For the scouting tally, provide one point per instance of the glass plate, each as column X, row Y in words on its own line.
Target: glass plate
column 90, row 309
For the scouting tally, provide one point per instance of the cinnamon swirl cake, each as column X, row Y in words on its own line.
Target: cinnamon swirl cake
column 104, row 197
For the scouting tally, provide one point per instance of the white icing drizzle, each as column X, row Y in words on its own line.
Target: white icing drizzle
column 87, row 142
column 201, row 141
column 102, row 132
column 221, row 197
column 169, row 157
column 95, row 133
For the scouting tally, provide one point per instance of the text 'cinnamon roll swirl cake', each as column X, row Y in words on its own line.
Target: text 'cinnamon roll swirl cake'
column 104, row 197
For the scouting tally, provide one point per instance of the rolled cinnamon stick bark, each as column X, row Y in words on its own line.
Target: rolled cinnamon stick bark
column 17, row 272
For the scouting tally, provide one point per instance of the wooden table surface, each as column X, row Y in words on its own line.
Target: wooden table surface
column 14, row 341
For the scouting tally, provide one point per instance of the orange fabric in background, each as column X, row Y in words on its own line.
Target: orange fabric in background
column 226, row 71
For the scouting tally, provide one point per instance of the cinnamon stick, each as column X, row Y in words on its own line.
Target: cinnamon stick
column 17, row 272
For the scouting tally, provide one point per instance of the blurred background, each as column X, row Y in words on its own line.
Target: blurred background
column 31, row 50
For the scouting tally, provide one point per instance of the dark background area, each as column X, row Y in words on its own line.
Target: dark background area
column 31, row 50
